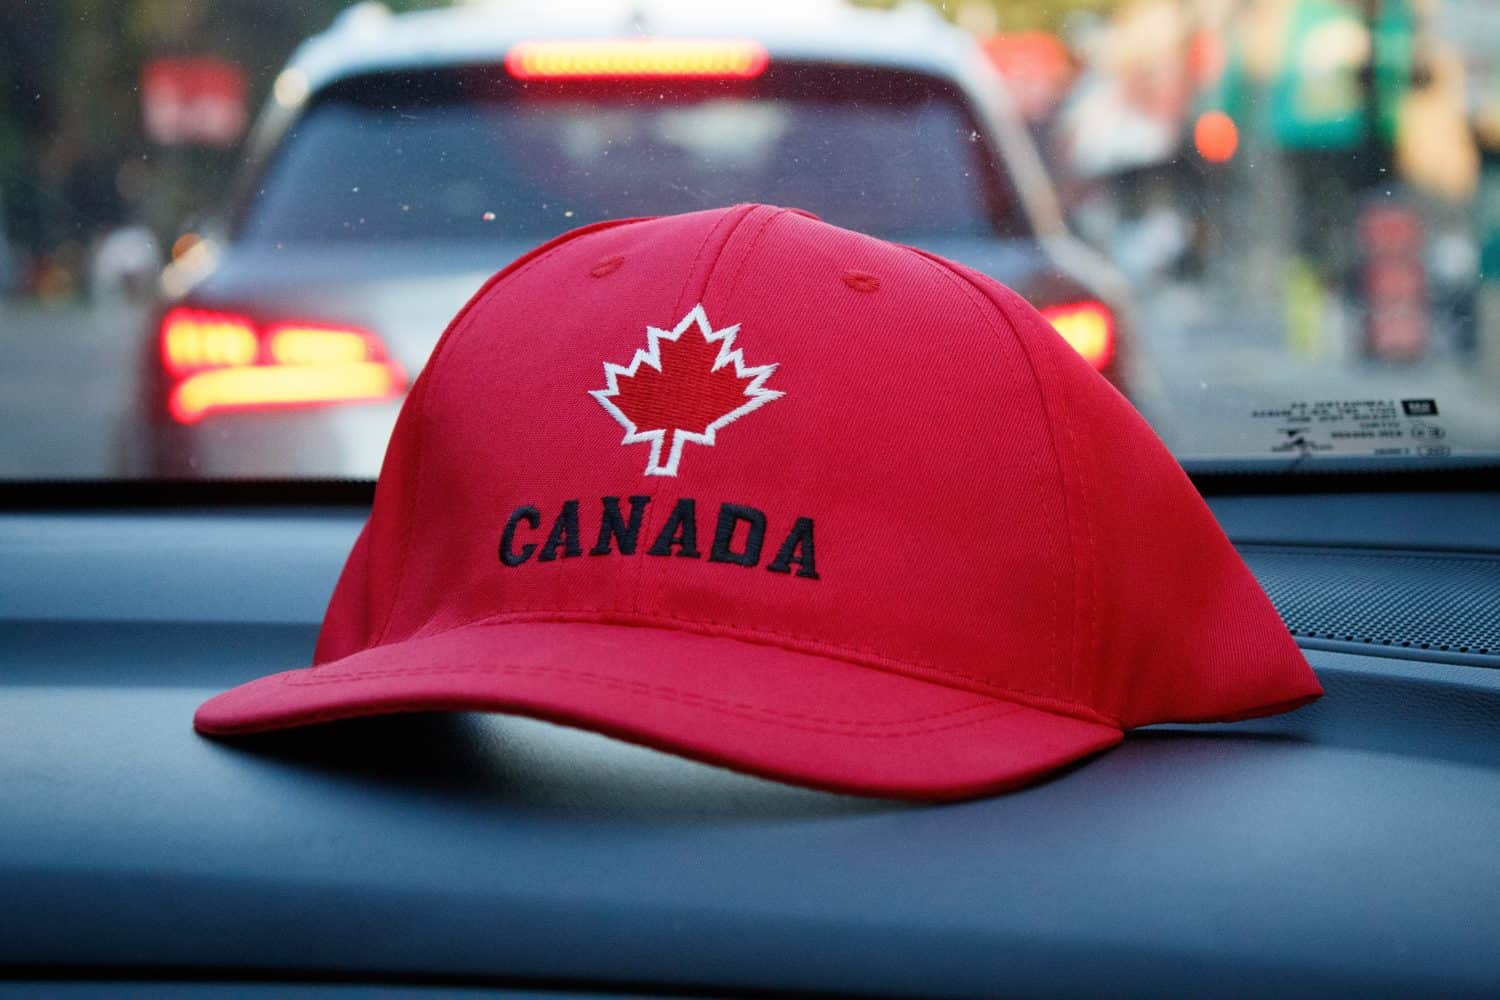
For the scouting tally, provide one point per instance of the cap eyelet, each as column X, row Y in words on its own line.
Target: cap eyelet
column 607, row 265
column 861, row 281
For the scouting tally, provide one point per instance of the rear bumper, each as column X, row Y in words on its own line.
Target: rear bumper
column 343, row 441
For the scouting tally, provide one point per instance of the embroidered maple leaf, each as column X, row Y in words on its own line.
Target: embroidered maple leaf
column 686, row 383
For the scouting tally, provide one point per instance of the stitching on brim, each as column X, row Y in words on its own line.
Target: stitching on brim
column 305, row 679
column 930, row 673
column 754, row 713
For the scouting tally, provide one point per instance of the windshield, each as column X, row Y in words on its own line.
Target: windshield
column 231, row 235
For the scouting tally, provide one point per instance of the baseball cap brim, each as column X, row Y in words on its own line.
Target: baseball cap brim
column 808, row 719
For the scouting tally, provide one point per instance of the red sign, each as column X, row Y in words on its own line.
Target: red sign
column 1036, row 68
column 197, row 101
column 1395, row 283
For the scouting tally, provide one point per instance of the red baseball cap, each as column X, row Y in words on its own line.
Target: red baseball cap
column 772, row 494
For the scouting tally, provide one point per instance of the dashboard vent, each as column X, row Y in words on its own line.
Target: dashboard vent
column 1418, row 605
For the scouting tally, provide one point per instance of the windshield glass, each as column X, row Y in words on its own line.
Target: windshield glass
column 231, row 234
column 360, row 165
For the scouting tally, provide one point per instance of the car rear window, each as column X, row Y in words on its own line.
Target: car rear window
column 468, row 153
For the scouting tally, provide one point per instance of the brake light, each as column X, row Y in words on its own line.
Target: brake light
column 1088, row 327
column 295, row 344
column 262, row 386
column 191, row 340
column 637, row 57
column 225, row 361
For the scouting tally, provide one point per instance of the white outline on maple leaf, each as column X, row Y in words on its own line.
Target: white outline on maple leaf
column 651, row 355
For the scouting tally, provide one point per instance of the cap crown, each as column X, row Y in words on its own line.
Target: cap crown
column 942, row 488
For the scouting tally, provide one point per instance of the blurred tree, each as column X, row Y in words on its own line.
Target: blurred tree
column 28, row 38
column 991, row 16
column 74, row 158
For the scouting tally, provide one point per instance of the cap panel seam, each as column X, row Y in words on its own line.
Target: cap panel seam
column 1085, row 563
column 969, row 289
column 1089, row 569
column 729, row 223
column 739, row 270
column 406, row 514
column 648, row 522
column 432, row 372
column 791, row 642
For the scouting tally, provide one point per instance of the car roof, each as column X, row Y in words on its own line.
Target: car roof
column 369, row 38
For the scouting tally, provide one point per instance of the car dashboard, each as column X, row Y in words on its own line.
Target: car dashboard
column 1349, row 845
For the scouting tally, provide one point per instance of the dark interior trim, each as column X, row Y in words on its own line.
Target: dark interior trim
column 1336, row 475
column 1211, row 479
column 93, row 494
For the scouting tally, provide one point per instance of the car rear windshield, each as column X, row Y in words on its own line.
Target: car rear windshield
column 468, row 153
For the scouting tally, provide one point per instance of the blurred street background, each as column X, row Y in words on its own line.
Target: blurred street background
column 1303, row 195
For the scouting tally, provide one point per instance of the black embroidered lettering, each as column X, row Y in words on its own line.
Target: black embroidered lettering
column 564, row 533
column 612, row 525
column 681, row 530
column 798, row 548
column 508, row 555
column 730, row 515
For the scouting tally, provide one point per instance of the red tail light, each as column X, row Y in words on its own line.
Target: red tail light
column 225, row 361
column 1088, row 326
column 192, row 340
column 638, row 57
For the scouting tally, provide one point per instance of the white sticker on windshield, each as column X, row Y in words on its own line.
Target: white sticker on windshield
column 1385, row 427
